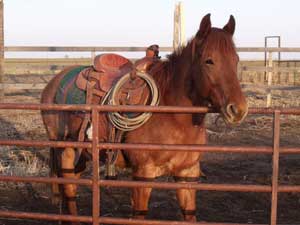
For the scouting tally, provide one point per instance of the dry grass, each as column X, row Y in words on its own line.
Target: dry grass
column 22, row 163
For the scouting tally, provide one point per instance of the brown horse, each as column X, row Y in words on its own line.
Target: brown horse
column 202, row 73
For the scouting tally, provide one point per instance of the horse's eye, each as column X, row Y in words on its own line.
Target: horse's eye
column 209, row 61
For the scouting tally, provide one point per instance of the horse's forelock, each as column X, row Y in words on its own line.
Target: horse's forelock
column 220, row 41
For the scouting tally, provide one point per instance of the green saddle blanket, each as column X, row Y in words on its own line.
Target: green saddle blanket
column 68, row 92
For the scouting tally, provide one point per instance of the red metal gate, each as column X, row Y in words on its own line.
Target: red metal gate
column 96, row 182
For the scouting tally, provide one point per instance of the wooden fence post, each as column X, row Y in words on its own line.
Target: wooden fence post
column 182, row 24
column 93, row 55
column 176, row 27
column 1, row 49
column 270, row 74
column 179, row 26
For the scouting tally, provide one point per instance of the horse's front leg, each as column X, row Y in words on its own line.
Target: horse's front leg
column 141, row 196
column 68, row 171
column 187, row 197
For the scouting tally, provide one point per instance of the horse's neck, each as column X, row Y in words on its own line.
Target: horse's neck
column 176, row 93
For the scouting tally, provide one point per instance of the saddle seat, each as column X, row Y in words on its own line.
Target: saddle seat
column 111, row 63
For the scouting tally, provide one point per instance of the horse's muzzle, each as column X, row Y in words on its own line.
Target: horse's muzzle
column 234, row 114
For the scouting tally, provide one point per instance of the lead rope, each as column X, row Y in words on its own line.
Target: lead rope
column 123, row 122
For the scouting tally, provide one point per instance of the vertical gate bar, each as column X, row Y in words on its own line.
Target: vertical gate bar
column 276, row 142
column 1, row 49
column 96, row 191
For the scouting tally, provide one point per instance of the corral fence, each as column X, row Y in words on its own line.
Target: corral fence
column 264, row 77
column 96, row 182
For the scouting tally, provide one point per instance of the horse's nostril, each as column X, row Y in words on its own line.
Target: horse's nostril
column 232, row 110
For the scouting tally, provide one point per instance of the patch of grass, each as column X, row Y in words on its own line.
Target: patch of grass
column 22, row 163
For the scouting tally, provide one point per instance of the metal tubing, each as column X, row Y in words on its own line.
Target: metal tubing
column 197, row 186
column 44, row 216
column 151, row 147
column 276, row 142
column 104, row 220
column 57, row 144
column 124, row 108
column 95, row 145
column 192, row 148
column 122, row 221
column 46, row 180
column 95, row 178
column 55, row 107
column 159, row 185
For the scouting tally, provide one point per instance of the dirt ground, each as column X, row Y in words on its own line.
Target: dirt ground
column 219, row 168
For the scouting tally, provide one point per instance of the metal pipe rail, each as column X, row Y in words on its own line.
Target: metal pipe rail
column 126, row 49
column 96, row 182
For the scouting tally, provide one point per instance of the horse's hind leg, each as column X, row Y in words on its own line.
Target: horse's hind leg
column 187, row 197
column 68, row 171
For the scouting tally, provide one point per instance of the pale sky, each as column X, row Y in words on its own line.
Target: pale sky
column 143, row 22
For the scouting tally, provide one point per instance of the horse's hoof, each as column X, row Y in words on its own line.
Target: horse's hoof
column 190, row 218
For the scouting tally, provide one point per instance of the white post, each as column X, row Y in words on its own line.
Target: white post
column 176, row 28
column 182, row 24
column 179, row 26
column 93, row 55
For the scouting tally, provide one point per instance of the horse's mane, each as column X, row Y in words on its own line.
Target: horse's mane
column 165, row 71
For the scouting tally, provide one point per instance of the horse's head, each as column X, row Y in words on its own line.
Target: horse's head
column 214, row 71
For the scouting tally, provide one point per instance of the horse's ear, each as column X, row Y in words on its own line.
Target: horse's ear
column 205, row 27
column 230, row 26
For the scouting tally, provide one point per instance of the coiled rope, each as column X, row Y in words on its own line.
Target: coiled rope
column 122, row 121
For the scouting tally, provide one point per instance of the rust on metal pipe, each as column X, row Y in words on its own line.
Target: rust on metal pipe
column 56, row 107
column 197, row 186
column 46, row 180
column 289, row 150
column 276, row 143
column 57, row 144
column 44, row 216
column 95, row 182
column 95, row 178
column 122, row 221
column 123, row 108
column 288, row 188
column 292, row 111
column 161, row 185
column 192, row 148
column 151, row 147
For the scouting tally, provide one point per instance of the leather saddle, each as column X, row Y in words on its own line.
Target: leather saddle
column 97, row 80
column 106, row 71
